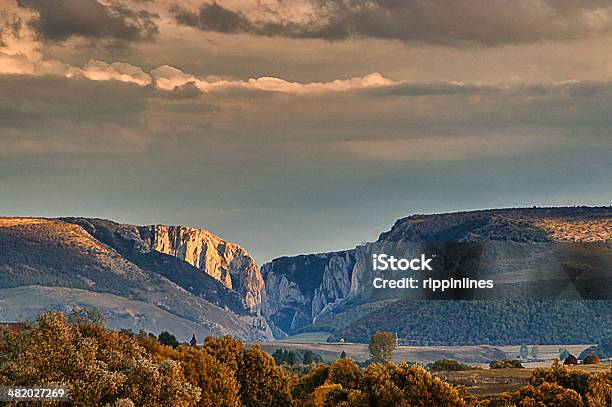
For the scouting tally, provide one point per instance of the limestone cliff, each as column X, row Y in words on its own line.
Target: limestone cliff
column 335, row 286
column 225, row 261
column 300, row 288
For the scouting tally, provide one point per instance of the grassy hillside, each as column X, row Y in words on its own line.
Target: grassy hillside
column 26, row 303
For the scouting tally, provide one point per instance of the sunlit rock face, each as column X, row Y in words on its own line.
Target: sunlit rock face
column 225, row 261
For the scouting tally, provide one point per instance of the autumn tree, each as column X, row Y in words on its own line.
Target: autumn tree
column 599, row 392
column 216, row 380
column 403, row 385
column 381, row 346
column 306, row 384
column 262, row 383
column 96, row 366
column 86, row 316
column 546, row 394
column 345, row 373
column 563, row 376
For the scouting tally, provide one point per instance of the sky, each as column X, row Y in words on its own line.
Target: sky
column 301, row 126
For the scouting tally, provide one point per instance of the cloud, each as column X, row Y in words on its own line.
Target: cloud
column 118, row 71
column 214, row 17
column 469, row 22
column 52, row 115
column 20, row 53
column 169, row 78
column 62, row 19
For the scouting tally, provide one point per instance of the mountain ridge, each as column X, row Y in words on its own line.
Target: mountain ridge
column 201, row 279
column 63, row 254
column 294, row 310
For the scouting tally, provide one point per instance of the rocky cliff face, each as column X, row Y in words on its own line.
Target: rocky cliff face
column 298, row 289
column 302, row 289
column 225, row 261
column 336, row 283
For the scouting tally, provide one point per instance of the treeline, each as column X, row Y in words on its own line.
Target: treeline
column 115, row 369
column 293, row 357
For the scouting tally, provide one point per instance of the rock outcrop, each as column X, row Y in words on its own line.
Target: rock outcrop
column 300, row 288
column 336, row 284
column 225, row 261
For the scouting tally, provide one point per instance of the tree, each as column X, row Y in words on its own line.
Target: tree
column 166, row 338
column 381, row 346
column 345, row 373
column 262, row 383
column 278, row 356
column 329, row 395
column 216, row 380
column 307, row 383
column 86, row 316
column 308, row 357
column 402, row 385
column 535, row 351
column 547, row 394
column 524, row 352
column 291, row 359
column 96, row 366
column 563, row 376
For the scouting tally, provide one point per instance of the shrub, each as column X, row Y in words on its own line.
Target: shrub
column 599, row 392
column 506, row 364
column 390, row 385
column 563, row 376
column 547, row 394
column 262, row 383
column 447, row 365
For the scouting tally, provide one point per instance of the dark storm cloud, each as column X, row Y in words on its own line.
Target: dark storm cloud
column 456, row 23
column 61, row 19
column 213, row 17
column 35, row 102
